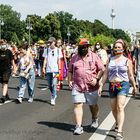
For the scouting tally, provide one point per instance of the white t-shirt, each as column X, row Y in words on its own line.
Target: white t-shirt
column 52, row 56
column 23, row 63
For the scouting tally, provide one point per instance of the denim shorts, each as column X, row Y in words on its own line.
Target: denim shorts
column 91, row 98
column 121, row 88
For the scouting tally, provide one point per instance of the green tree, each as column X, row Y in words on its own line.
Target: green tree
column 118, row 33
column 54, row 25
column 36, row 25
column 105, row 40
column 15, row 39
column 12, row 22
column 100, row 28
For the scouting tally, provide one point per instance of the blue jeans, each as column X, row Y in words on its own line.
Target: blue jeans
column 52, row 83
column 39, row 65
column 27, row 82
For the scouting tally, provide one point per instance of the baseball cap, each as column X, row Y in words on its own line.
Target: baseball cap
column 84, row 42
column 41, row 42
column 51, row 39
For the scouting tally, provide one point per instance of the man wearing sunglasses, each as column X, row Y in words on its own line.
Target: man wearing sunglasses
column 52, row 55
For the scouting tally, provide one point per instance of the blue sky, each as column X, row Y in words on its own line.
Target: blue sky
column 127, row 11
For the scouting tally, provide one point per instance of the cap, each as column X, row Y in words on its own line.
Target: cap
column 41, row 42
column 83, row 42
column 51, row 39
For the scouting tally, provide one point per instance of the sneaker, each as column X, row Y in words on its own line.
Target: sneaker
column 53, row 101
column 30, row 100
column 78, row 130
column 19, row 99
column 7, row 97
column 95, row 123
column 3, row 99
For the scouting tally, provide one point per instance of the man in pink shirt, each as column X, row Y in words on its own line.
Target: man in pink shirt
column 85, row 71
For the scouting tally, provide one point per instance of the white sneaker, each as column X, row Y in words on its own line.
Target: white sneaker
column 30, row 100
column 19, row 99
column 53, row 101
column 95, row 123
column 78, row 130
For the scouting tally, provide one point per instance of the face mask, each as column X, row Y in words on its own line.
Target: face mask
column 118, row 51
column 98, row 47
column 82, row 51
column 3, row 47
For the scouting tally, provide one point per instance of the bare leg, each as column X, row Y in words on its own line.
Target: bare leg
column 78, row 113
column 113, row 103
column 5, row 89
column 120, row 111
column 94, row 111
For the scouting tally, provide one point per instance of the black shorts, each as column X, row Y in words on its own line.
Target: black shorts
column 5, row 76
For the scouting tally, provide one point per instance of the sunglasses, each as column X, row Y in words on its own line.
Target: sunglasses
column 52, row 53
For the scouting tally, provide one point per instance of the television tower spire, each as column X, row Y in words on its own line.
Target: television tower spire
column 113, row 15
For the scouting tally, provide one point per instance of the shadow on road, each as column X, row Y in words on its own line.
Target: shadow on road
column 43, row 101
column 58, row 125
column 105, row 96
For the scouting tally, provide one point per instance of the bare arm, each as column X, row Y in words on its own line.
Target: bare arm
column 100, row 74
column 131, row 75
column 13, row 66
column 105, row 75
column 44, row 65
column 70, row 79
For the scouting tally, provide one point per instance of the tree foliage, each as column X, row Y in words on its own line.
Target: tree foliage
column 12, row 22
column 55, row 24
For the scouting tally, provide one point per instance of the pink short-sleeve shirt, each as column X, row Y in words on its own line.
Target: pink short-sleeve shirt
column 84, row 71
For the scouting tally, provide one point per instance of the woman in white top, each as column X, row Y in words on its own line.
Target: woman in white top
column 27, row 74
column 101, row 52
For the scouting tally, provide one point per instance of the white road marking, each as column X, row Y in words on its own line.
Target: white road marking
column 102, row 131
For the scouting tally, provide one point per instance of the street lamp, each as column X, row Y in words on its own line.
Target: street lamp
column 1, row 24
column 29, row 27
column 68, row 34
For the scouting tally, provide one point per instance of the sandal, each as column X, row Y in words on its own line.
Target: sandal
column 119, row 136
column 116, row 129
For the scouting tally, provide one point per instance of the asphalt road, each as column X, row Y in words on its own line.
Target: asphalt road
column 41, row 121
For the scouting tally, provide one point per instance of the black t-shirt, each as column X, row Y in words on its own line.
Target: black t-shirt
column 40, row 53
column 5, row 60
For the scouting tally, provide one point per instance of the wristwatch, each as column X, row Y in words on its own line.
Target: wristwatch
column 97, row 79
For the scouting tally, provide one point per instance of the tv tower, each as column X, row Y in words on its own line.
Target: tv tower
column 113, row 15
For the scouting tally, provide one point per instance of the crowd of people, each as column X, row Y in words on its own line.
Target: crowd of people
column 86, row 67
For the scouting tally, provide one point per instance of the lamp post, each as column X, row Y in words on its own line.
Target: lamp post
column 68, row 34
column 29, row 27
column 1, row 24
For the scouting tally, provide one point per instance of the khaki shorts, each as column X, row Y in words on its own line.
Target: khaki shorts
column 91, row 98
